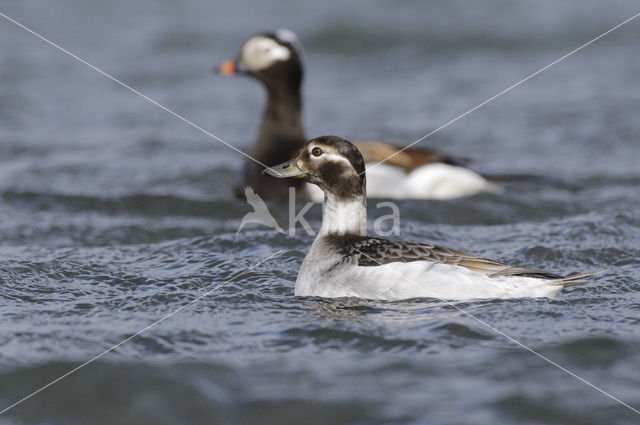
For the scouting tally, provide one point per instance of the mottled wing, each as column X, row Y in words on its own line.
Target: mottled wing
column 368, row 252
column 408, row 158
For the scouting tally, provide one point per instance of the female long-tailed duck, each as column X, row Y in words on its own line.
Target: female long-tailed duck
column 344, row 262
column 275, row 59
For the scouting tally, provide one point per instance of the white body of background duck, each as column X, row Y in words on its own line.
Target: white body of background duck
column 344, row 262
column 275, row 59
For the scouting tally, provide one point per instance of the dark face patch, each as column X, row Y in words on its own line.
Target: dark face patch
column 339, row 179
column 347, row 150
column 343, row 179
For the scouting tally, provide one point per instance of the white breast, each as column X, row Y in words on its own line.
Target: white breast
column 444, row 181
column 431, row 181
column 386, row 181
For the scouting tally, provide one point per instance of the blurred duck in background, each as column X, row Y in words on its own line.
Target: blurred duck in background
column 275, row 59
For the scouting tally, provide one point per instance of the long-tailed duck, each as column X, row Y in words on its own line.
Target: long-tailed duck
column 275, row 59
column 344, row 262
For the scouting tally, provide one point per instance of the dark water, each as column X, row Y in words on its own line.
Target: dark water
column 113, row 214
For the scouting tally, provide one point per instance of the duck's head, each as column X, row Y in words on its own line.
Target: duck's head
column 273, row 58
column 332, row 163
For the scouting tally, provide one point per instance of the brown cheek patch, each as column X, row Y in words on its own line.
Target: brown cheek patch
column 338, row 179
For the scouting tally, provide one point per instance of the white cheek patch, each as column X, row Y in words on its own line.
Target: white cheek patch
column 335, row 158
column 262, row 52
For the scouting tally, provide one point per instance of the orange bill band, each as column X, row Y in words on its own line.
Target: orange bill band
column 227, row 67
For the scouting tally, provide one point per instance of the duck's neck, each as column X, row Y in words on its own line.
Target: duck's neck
column 340, row 217
column 281, row 127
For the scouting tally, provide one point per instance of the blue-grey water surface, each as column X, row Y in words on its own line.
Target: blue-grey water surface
column 114, row 213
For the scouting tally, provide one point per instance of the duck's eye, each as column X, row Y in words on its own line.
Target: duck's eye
column 316, row 151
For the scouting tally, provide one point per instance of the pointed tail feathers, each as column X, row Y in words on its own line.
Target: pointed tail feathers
column 576, row 279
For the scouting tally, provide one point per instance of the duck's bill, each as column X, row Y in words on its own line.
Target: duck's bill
column 287, row 169
column 226, row 68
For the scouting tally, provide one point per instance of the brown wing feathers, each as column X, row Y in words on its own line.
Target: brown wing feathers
column 409, row 159
column 374, row 252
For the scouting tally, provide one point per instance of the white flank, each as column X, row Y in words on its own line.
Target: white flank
column 417, row 279
column 431, row 181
